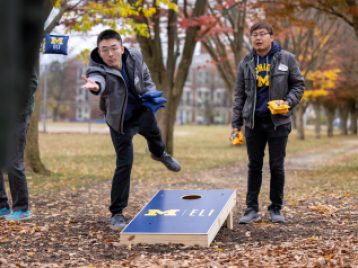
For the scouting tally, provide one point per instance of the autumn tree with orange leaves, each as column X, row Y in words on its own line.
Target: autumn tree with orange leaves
column 346, row 92
column 314, row 37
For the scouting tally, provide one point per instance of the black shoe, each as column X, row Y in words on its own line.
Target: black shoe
column 276, row 215
column 168, row 161
column 250, row 215
column 118, row 222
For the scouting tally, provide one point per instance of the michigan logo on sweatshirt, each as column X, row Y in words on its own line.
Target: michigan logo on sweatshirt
column 262, row 74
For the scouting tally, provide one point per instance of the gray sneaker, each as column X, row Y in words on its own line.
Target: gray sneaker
column 276, row 215
column 168, row 161
column 250, row 215
column 118, row 222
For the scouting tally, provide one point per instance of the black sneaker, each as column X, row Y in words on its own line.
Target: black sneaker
column 168, row 161
column 118, row 222
column 250, row 215
column 276, row 215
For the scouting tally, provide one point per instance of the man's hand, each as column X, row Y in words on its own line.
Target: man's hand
column 233, row 133
column 90, row 85
column 236, row 137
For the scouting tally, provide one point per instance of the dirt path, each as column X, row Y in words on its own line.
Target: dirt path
column 70, row 229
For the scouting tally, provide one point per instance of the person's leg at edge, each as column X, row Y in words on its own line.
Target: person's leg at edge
column 17, row 176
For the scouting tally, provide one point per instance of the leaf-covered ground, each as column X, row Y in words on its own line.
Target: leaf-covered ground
column 70, row 228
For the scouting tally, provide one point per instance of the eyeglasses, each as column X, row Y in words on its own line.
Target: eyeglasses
column 255, row 35
column 109, row 49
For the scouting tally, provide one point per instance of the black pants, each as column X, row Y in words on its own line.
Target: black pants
column 16, row 170
column 144, row 123
column 256, row 139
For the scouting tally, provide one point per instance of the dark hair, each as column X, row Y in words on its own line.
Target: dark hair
column 261, row 25
column 108, row 34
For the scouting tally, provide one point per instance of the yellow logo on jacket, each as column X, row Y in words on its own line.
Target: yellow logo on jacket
column 262, row 71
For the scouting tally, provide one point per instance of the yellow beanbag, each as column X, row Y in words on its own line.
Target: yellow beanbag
column 238, row 139
column 278, row 107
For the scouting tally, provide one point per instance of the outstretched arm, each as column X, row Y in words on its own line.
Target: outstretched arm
column 90, row 84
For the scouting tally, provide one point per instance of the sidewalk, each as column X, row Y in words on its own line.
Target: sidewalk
column 85, row 128
column 73, row 127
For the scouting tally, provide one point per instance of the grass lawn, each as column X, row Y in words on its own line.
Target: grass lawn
column 76, row 160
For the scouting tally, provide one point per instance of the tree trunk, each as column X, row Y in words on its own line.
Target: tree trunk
column 352, row 109
column 317, row 125
column 343, row 115
column 294, row 119
column 354, row 118
column 299, row 123
column 330, row 117
column 170, row 76
column 166, row 119
column 33, row 159
column 32, row 152
column 209, row 107
column 176, row 75
column 169, row 121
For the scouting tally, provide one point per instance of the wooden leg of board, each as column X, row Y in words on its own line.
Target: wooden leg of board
column 230, row 221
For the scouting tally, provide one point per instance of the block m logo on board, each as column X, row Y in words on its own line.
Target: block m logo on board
column 156, row 212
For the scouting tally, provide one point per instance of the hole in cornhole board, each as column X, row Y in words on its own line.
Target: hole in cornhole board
column 191, row 197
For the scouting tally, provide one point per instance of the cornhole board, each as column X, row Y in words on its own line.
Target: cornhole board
column 189, row 217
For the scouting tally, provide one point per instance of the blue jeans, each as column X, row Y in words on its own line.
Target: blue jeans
column 144, row 123
column 16, row 169
column 264, row 133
